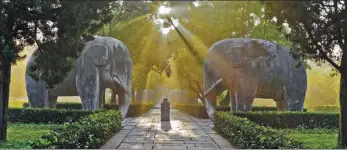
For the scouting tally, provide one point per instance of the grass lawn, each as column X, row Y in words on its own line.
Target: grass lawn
column 18, row 133
column 24, row 132
column 314, row 138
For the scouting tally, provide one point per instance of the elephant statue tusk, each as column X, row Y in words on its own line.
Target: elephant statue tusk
column 116, row 79
column 219, row 81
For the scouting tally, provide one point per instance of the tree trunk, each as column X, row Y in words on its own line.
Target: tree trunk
column 343, row 103
column 343, row 111
column 4, row 97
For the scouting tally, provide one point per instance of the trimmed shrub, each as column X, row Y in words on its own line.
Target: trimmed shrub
column 196, row 110
column 327, row 108
column 65, row 105
column 135, row 109
column 90, row 132
column 199, row 110
column 39, row 115
column 283, row 120
column 246, row 134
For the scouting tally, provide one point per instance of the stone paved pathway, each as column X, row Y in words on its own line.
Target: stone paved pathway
column 182, row 132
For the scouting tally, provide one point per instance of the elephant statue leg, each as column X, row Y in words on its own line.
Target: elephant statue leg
column 244, row 101
column 246, row 87
column 281, row 102
column 293, row 99
column 295, row 91
column 102, row 97
column 52, row 101
column 88, row 86
column 124, row 102
column 210, row 101
column 37, row 92
column 232, row 100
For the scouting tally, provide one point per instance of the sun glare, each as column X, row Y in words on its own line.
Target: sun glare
column 164, row 10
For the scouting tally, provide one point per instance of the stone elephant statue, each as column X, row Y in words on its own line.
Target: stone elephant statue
column 104, row 63
column 253, row 68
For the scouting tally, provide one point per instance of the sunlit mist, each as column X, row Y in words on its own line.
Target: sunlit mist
column 164, row 10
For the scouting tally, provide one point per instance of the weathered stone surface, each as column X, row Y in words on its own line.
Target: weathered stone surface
column 178, row 137
column 104, row 63
column 253, row 68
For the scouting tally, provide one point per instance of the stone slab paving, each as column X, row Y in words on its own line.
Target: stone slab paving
column 181, row 132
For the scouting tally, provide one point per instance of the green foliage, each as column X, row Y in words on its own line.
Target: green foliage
column 124, row 11
column 23, row 131
column 246, row 134
column 283, row 120
column 199, row 110
column 36, row 115
column 208, row 23
column 313, row 138
column 314, row 34
column 196, row 110
column 90, row 132
column 62, row 25
column 188, row 73
column 20, row 135
column 327, row 108
column 135, row 109
column 65, row 105
column 223, row 98
column 322, row 88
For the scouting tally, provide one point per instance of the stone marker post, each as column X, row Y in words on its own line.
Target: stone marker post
column 165, row 110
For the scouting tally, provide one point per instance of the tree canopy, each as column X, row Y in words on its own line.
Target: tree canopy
column 318, row 32
column 56, row 27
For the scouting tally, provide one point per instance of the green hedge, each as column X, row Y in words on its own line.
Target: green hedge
column 64, row 105
column 283, row 120
column 199, row 110
column 246, row 134
column 195, row 110
column 39, row 115
column 90, row 132
column 135, row 109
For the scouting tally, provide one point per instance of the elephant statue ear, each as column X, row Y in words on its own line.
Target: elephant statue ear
column 256, row 49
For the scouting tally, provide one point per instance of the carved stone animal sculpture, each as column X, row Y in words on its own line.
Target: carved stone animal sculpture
column 253, row 68
column 104, row 63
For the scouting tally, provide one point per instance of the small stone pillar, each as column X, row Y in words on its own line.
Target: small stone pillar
column 165, row 110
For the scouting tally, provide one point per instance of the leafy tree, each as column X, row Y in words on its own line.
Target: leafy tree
column 318, row 31
column 322, row 88
column 124, row 11
column 148, row 47
column 210, row 22
column 56, row 27
column 189, row 73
